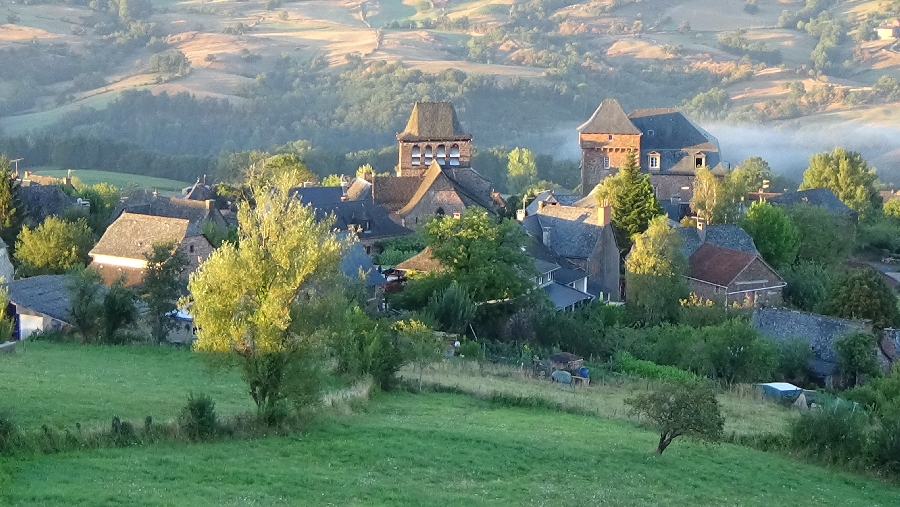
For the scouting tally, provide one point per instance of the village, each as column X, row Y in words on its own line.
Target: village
column 668, row 263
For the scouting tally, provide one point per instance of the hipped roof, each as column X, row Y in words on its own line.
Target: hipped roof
column 433, row 121
column 609, row 118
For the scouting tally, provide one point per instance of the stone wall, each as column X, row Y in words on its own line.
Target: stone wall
column 596, row 147
column 405, row 167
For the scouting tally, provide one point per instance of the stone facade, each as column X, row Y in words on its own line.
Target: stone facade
column 197, row 249
column 603, row 154
column 667, row 186
column 752, row 287
column 415, row 159
column 439, row 199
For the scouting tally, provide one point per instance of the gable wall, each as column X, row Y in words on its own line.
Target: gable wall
column 202, row 250
column 441, row 195
column 594, row 147
column 668, row 185
column 603, row 265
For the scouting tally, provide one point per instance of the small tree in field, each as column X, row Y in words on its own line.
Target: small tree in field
column 677, row 410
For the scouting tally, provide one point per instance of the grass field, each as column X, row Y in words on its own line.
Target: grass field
column 61, row 384
column 437, row 449
column 121, row 180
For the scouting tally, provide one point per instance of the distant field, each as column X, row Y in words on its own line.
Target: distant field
column 438, row 449
column 64, row 384
column 121, row 180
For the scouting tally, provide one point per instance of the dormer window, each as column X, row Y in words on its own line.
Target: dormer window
column 429, row 155
column 441, row 154
column 653, row 161
column 699, row 160
column 416, row 155
column 454, row 155
column 606, row 162
column 650, row 133
column 610, row 137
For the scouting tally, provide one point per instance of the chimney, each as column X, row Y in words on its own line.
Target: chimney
column 368, row 176
column 701, row 229
column 540, row 205
column 546, row 236
column 604, row 213
column 210, row 204
column 344, row 185
column 520, row 215
column 204, row 180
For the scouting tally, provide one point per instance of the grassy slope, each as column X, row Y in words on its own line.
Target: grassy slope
column 443, row 450
column 61, row 384
column 121, row 180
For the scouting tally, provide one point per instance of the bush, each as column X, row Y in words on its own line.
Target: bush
column 9, row 435
column 121, row 433
column 626, row 363
column 198, row 419
column 836, row 434
column 470, row 349
column 453, row 308
column 886, row 446
column 384, row 359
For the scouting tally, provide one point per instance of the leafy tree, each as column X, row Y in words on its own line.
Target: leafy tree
column 846, row 174
column 6, row 323
column 118, row 311
column 632, row 200
column 892, row 208
column 774, row 234
column 793, row 357
column 162, row 286
column 54, row 247
column 84, row 296
column 421, row 345
column 332, row 180
column 824, row 239
column 11, row 208
column 680, row 410
column 735, row 352
column 654, row 273
column 248, row 300
column 856, row 356
column 217, row 234
column 481, row 254
column 522, row 170
column 807, row 285
column 718, row 200
column 863, row 294
column 453, row 308
column 103, row 198
column 272, row 169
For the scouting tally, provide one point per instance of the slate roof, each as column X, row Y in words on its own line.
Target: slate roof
column 819, row 331
column 547, row 261
column 355, row 214
column 609, row 118
column 815, row 197
column 196, row 212
column 133, row 234
column 574, row 232
column 394, row 192
column 433, row 121
column 717, row 265
column 672, row 130
column 318, row 196
column 46, row 294
column 423, row 261
column 355, row 263
column 469, row 196
column 564, row 296
column 199, row 192
column 551, row 197
column 42, row 201
column 725, row 235
column 359, row 189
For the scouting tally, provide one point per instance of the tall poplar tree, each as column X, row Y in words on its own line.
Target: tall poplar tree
column 11, row 208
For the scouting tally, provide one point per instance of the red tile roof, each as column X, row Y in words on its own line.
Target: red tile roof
column 717, row 265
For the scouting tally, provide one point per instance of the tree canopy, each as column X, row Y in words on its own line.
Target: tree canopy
column 654, row 273
column 863, row 294
column 680, row 410
column 824, row 238
column 631, row 196
column 162, row 286
column 846, row 174
column 522, row 170
column 54, row 247
column 11, row 209
column 774, row 234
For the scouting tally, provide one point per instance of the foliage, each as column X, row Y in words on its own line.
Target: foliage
column 396, row 250
column 863, row 294
column 654, row 273
column 856, row 356
column 716, row 199
column 735, row 352
column 834, row 434
column 217, row 234
column 9, row 434
column 162, row 286
column 484, row 256
column 332, row 180
column 103, row 198
column 846, row 174
column 284, row 169
column 626, row 363
column 422, row 346
column 246, row 298
column 824, row 238
column 677, row 410
column 522, row 170
column 793, row 358
column 775, row 236
column 11, row 207
column 453, row 308
column 892, row 208
column 170, row 62
column 118, row 311
column 198, row 418
column 6, row 321
column 633, row 202
column 54, row 247
column 99, row 314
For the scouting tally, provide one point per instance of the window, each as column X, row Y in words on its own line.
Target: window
column 606, row 162
column 441, row 154
column 368, row 250
column 416, row 155
column 428, row 156
column 610, row 137
column 653, row 161
column 699, row 160
column 454, row 155
column 191, row 249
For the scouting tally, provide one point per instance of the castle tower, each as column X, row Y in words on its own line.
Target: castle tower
column 605, row 140
column 433, row 134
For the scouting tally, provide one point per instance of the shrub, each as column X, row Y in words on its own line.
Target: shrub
column 121, row 433
column 735, row 352
column 835, row 434
column 9, row 435
column 886, row 446
column 198, row 418
column 470, row 349
column 384, row 359
column 690, row 410
column 626, row 363
column 453, row 308
column 793, row 356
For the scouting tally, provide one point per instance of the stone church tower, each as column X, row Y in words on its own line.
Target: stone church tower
column 433, row 134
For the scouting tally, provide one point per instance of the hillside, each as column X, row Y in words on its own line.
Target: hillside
column 437, row 449
column 343, row 73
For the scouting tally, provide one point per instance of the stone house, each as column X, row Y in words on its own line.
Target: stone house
column 121, row 250
column 815, row 197
column 585, row 238
column 432, row 134
column 727, row 276
column 670, row 148
column 40, row 303
column 197, row 212
column 819, row 331
column 42, row 201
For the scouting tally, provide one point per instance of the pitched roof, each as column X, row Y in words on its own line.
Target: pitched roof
column 394, row 192
column 724, row 235
column 815, row 197
column 574, row 232
column 359, row 189
column 552, row 197
column 433, row 121
column 42, row 201
column 46, row 294
column 199, row 192
column 564, row 296
column 196, row 212
column 609, row 118
column 132, row 235
column 318, row 196
column 717, row 265
column 819, row 331
column 672, row 130
column 469, row 196
column 423, row 261
column 356, row 263
column 358, row 215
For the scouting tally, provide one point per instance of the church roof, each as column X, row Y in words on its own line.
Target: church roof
column 609, row 118
column 433, row 121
